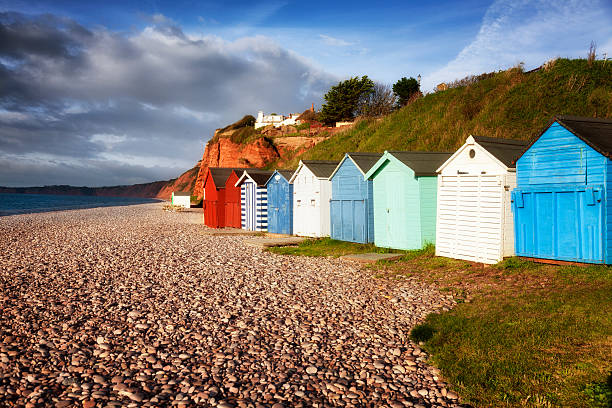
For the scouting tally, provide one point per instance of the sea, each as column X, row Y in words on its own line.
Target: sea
column 11, row 204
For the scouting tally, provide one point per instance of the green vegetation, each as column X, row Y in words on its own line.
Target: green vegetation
column 244, row 135
column 523, row 334
column 246, row 121
column 342, row 100
column 329, row 247
column 511, row 104
column 405, row 89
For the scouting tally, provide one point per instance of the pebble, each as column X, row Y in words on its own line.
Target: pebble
column 130, row 306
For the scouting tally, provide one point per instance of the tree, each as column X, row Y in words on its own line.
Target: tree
column 404, row 89
column 379, row 102
column 343, row 99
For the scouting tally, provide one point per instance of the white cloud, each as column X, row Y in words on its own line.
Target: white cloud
column 335, row 42
column 528, row 31
column 108, row 141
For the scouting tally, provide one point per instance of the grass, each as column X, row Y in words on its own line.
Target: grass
column 329, row 247
column 510, row 104
column 522, row 334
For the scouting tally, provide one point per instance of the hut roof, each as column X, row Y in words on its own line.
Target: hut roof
column 422, row 163
column 286, row 174
column 505, row 150
column 181, row 194
column 220, row 174
column 321, row 168
column 595, row 132
column 259, row 176
column 363, row 161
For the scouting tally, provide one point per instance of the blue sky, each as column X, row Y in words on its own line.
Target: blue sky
column 96, row 92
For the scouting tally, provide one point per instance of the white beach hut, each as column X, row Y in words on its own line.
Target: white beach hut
column 474, row 216
column 181, row 199
column 311, row 195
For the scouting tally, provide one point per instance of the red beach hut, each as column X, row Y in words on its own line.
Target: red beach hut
column 232, row 200
column 214, row 196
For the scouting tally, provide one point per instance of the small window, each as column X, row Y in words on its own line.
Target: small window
column 472, row 153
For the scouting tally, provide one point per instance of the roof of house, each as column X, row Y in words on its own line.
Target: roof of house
column 220, row 174
column 321, row 168
column 595, row 132
column 505, row 150
column 181, row 194
column 259, row 176
column 422, row 163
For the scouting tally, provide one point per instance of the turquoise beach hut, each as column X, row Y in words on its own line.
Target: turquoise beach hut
column 352, row 204
column 562, row 205
column 405, row 188
column 280, row 202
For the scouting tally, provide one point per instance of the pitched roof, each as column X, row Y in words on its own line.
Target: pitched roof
column 422, row 163
column 321, row 168
column 259, row 176
column 220, row 174
column 364, row 161
column 181, row 194
column 597, row 133
column 505, row 150
column 286, row 173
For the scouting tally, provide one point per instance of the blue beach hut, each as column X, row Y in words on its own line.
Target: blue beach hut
column 280, row 202
column 561, row 208
column 352, row 204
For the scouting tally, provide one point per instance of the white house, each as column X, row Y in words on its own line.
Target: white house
column 181, row 199
column 276, row 120
column 311, row 195
column 474, row 216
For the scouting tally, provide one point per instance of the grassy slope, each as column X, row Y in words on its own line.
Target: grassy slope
column 511, row 104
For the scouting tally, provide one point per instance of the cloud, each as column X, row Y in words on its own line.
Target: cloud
column 73, row 93
column 335, row 42
column 528, row 31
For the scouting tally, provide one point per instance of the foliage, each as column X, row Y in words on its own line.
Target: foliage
column 377, row 103
column 309, row 116
column 511, row 104
column 342, row 100
column 243, row 135
column 601, row 100
column 404, row 89
column 246, row 121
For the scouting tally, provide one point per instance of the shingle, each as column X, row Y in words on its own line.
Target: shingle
column 321, row 168
column 422, row 163
column 505, row 150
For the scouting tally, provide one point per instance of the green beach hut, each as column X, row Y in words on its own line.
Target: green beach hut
column 405, row 186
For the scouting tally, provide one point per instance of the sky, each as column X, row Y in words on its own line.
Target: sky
column 124, row 92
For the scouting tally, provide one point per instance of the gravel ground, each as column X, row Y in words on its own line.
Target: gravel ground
column 133, row 306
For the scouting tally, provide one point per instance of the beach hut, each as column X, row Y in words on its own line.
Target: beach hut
column 254, row 199
column 352, row 205
column 181, row 199
column 280, row 202
column 233, row 216
column 561, row 208
column 405, row 186
column 311, row 195
column 474, row 216
column 214, row 195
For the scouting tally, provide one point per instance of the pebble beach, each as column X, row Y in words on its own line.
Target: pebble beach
column 134, row 306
